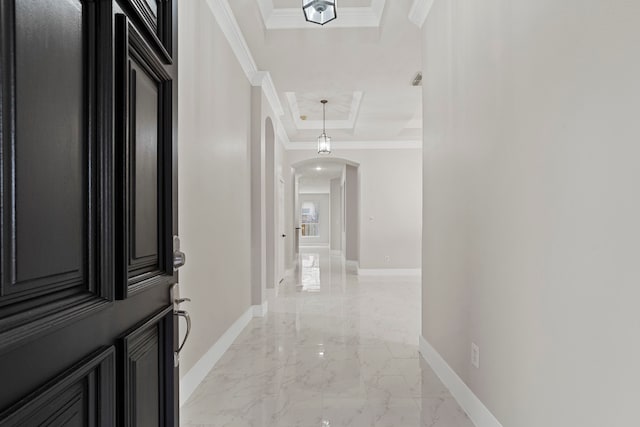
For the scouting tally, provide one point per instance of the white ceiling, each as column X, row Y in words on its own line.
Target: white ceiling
column 364, row 72
column 328, row 170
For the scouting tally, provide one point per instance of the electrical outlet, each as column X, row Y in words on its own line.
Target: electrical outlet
column 387, row 258
column 475, row 355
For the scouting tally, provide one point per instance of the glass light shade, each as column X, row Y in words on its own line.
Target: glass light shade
column 319, row 11
column 324, row 144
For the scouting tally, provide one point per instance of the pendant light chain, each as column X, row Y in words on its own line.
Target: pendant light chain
column 324, row 116
column 324, row 142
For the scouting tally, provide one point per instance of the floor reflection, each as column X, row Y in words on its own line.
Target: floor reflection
column 309, row 272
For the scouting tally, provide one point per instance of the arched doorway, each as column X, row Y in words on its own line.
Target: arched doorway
column 338, row 179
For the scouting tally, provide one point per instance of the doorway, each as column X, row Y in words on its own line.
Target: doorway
column 326, row 203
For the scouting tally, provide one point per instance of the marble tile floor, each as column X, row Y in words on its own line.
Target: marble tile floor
column 334, row 350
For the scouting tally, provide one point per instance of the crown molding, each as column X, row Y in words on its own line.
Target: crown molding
column 348, row 17
column 266, row 9
column 358, row 145
column 349, row 123
column 231, row 30
column 263, row 79
column 419, row 11
column 282, row 135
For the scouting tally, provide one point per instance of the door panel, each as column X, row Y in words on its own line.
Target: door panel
column 144, row 96
column 51, row 206
column 88, row 214
column 146, row 381
column 49, row 195
column 144, row 157
column 83, row 396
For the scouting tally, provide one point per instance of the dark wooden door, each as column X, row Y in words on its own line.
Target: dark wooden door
column 88, row 96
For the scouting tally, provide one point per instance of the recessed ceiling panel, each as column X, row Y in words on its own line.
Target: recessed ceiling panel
column 373, row 66
column 338, row 107
column 341, row 110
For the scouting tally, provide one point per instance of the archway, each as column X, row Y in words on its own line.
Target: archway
column 339, row 179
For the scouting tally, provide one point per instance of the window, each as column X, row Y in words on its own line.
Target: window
column 309, row 219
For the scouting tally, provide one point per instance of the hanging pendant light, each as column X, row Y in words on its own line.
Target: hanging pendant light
column 324, row 142
column 319, row 11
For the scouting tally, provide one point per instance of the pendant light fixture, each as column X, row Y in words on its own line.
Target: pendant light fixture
column 319, row 11
column 324, row 142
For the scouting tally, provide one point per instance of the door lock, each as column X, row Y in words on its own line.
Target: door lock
column 179, row 257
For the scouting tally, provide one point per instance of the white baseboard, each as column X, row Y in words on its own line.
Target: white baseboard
column 199, row 371
column 260, row 310
column 479, row 414
column 386, row 272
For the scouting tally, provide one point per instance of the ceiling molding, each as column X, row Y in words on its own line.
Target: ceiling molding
column 419, row 11
column 231, row 30
column 282, row 135
column 358, row 145
column 348, row 17
column 263, row 79
column 266, row 9
column 350, row 123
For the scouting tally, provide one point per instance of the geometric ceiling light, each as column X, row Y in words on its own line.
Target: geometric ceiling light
column 319, row 11
column 324, row 142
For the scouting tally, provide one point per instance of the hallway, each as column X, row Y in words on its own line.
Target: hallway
column 334, row 350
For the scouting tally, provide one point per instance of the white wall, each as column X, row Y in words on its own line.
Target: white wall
column 214, row 186
column 267, row 160
column 353, row 219
column 323, row 203
column 270, row 200
column 391, row 193
column 292, row 218
column 336, row 214
column 531, row 205
column 258, row 199
column 282, row 171
column 314, row 185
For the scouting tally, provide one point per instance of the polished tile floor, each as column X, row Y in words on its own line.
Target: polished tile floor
column 335, row 350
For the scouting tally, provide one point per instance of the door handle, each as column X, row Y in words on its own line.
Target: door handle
column 284, row 235
column 176, row 300
column 185, row 314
